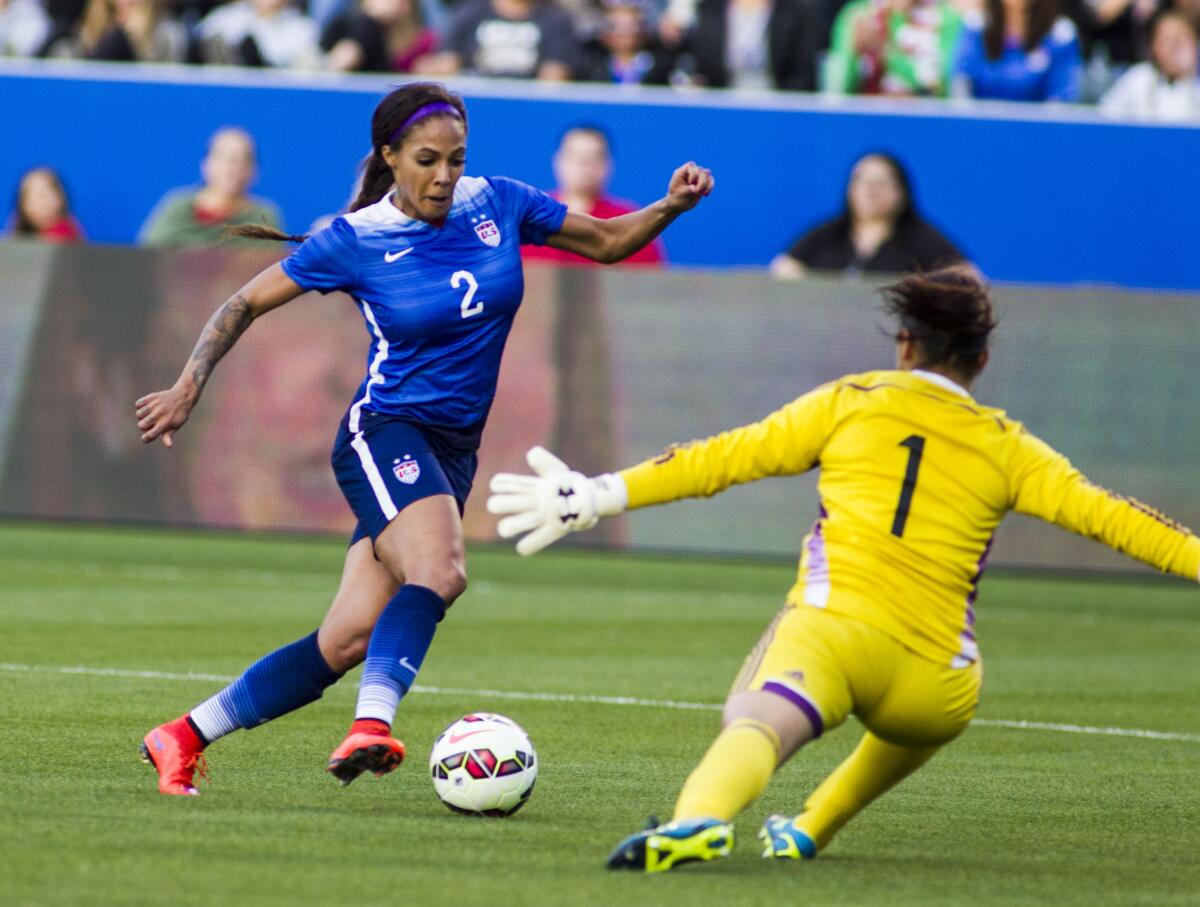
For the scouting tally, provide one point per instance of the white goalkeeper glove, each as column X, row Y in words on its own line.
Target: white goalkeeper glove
column 553, row 503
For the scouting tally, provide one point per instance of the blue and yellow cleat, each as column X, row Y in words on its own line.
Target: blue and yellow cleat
column 667, row 846
column 781, row 838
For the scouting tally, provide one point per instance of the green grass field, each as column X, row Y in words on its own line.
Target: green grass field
column 1004, row 815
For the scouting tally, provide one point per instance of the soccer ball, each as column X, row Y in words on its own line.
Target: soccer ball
column 483, row 765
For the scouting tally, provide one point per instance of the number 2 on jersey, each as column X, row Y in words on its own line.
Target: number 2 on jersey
column 916, row 447
column 469, row 306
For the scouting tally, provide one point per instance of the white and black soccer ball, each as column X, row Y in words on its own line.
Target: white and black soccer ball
column 483, row 765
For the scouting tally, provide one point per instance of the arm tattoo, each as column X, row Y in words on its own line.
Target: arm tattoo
column 227, row 324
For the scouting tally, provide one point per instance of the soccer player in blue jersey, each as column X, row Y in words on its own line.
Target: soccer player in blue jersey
column 432, row 259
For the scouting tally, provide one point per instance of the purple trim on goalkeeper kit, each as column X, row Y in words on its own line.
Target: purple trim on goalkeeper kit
column 968, row 651
column 799, row 701
column 427, row 111
column 818, row 565
column 979, row 568
column 968, row 647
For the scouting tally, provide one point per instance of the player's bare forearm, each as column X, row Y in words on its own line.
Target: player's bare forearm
column 630, row 233
column 226, row 325
column 615, row 239
column 162, row 413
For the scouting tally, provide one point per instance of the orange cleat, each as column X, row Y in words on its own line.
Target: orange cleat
column 365, row 751
column 176, row 754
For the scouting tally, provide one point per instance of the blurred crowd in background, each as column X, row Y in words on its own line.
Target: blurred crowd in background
column 1136, row 58
column 877, row 230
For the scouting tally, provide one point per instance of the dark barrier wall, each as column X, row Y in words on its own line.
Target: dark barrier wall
column 604, row 367
column 1045, row 200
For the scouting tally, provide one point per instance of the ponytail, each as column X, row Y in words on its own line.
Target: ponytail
column 261, row 231
column 376, row 181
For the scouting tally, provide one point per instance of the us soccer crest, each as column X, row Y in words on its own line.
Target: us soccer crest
column 488, row 232
column 407, row 470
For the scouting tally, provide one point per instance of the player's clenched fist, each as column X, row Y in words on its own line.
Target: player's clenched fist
column 689, row 184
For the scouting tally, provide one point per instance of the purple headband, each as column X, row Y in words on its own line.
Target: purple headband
column 422, row 112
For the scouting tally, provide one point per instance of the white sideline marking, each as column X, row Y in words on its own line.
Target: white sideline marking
column 603, row 700
column 1084, row 729
column 111, row 672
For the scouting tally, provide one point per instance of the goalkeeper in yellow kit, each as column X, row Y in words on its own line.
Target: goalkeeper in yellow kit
column 915, row 478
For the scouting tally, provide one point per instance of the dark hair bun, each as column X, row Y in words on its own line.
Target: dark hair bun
column 948, row 312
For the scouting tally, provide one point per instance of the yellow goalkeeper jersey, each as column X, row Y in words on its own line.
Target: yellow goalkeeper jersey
column 915, row 478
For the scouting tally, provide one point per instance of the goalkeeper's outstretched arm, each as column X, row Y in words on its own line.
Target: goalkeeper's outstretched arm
column 557, row 500
column 1045, row 484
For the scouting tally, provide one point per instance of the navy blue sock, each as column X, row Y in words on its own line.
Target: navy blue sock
column 274, row 685
column 397, row 648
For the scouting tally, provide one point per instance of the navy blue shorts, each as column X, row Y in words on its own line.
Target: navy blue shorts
column 392, row 462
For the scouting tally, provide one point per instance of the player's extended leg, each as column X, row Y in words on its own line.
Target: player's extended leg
column 918, row 707
column 282, row 681
column 761, row 731
column 874, row 768
column 423, row 547
column 790, row 690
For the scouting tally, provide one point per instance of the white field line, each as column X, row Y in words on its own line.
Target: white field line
column 602, row 700
column 1084, row 729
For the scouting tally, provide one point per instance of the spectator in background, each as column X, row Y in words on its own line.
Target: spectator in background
column 65, row 16
column 1019, row 50
column 259, row 33
column 675, row 19
column 433, row 12
column 193, row 216
column 755, row 44
column 42, row 210
column 582, row 169
column 515, row 39
column 893, row 47
column 378, row 36
column 1166, row 88
column 879, row 229
column 1113, row 31
column 131, row 30
column 626, row 50
column 25, row 27
column 1189, row 8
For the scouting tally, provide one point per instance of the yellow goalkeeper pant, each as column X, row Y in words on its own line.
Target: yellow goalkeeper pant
column 831, row 666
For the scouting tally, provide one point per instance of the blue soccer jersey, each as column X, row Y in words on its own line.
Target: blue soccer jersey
column 438, row 301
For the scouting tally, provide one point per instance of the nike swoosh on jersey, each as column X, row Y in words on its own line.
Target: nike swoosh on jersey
column 389, row 257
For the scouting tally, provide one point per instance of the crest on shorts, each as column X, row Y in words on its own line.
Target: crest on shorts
column 488, row 232
column 407, row 470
